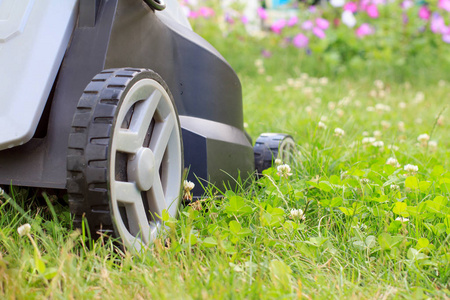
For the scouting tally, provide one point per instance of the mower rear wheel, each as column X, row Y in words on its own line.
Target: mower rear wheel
column 270, row 146
column 125, row 158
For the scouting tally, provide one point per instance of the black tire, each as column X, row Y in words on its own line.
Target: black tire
column 270, row 146
column 104, row 164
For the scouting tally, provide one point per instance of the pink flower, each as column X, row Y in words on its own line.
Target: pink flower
column 292, row 21
column 278, row 25
column 262, row 13
column 372, row 11
column 363, row 4
column 319, row 32
column 193, row 14
column 300, row 41
column 363, row 30
column 307, row 25
column 351, row 6
column 424, row 12
column 444, row 4
column 206, row 12
column 437, row 23
column 244, row 20
column 322, row 23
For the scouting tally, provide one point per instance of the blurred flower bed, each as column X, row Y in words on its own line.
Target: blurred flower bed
column 342, row 35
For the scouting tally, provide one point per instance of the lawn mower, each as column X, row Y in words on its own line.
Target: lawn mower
column 111, row 101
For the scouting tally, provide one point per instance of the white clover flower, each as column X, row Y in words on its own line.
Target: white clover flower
column 308, row 109
column 441, row 83
column 377, row 133
column 365, row 181
column 290, row 81
column 284, row 170
column 323, row 118
column 378, row 144
column 339, row 132
column 188, row 185
column 365, row 133
column 368, row 140
column 392, row 161
column 373, row 93
column 401, row 219
column 381, row 93
column 259, row 62
column 245, row 125
column 402, row 105
column 379, row 84
column 401, row 126
column 331, row 105
column 297, row 214
column 432, row 145
column 411, row 168
column 394, row 187
column 278, row 162
column 323, row 80
column 269, row 78
column 25, row 229
column 358, row 103
column 418, row 120
column 385, row 124
column 420, row 96
column 393, row 147
column 1, row 191
column 370, row 108
column 440, row 121
column 322, row 125
column 339, row 112
column 423, row 138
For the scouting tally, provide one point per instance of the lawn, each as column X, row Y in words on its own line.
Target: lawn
column 363, row 212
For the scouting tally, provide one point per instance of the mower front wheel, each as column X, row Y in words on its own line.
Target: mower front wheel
column 270, row 146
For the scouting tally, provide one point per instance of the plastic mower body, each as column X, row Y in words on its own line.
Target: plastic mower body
column 112, row 100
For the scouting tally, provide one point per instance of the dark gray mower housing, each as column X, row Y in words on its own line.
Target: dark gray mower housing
column 114, row 100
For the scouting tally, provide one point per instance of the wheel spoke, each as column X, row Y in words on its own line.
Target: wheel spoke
column 162, row 133
column 138, row 221
column 157, row 199
column 126, row 192
column 146, row 113
column 127, row 141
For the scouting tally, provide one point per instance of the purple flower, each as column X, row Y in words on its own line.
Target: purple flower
column 351, row 6
column 446, row 38
column 405, row 18
column 372, row 11
column 229, row 19
column 322, row 23
column 424, row 12
column 444, row 4
column 407, row 4
column 292, row 21
column 300, row 41
column 307, row 25
column 278, row 25
column 363, row 30
column 262, row 13
column 319, row 32
column 266, row 53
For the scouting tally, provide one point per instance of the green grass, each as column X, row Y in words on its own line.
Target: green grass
column 246, row 245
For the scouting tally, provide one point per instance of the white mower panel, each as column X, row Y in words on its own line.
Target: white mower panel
column 34, row 35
